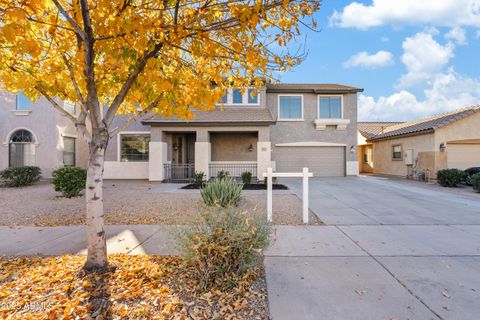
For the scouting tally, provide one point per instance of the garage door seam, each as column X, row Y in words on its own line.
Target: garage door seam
column 410, row 291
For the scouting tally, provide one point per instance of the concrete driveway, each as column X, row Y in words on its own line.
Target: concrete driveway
column 389, row 250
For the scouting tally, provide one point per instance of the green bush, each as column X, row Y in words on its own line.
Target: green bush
column 223, row 192
column 274, row 180
column 476, row 182
column 20, row 176
column 224, row 246
column 70, row 181
column 247, row 177
column 222, row 174
column 450, row 177
column 199, row 179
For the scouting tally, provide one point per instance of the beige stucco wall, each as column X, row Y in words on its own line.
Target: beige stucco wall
column 233, row 146
column 423, row 150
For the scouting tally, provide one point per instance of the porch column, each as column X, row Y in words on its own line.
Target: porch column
column 203, row 153
column 157, row 157
column 264, row 157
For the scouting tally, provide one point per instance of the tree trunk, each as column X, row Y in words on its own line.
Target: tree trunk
column 96, row 242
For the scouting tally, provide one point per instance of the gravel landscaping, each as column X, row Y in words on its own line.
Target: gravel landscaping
column 131, row 202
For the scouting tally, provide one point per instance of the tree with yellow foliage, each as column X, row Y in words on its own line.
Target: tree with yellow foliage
column 167, row 56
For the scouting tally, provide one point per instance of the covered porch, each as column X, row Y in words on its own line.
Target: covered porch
column 177, row 153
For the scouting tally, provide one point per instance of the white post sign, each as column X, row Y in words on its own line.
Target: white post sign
column 270, row 175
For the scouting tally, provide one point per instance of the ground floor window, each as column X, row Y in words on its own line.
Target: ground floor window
column 21, row 149
column 68, row 151
column 397, row 152
column 134, row 147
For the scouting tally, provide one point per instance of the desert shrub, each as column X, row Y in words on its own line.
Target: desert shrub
column 199, row 179
column 247, row 177
column 274, row 180
column 20, row 176
column 222, row 192
column 450, row 177
column 222, row 174
column 70, row 181
column 223, row 246
column 476, row 182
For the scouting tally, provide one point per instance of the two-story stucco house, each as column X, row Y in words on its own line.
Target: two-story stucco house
column 286, row 126
column 36, row 134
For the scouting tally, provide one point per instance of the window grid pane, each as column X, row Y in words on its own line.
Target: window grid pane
column 23, row 103
column 68, row 151
column 330, row 107
column 290, row 107
column 237, row 96
column 134, row 147
column 252, row 96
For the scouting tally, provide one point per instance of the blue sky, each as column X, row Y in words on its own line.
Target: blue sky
column 413, row 58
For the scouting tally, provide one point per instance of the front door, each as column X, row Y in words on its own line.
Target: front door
column 178, row 152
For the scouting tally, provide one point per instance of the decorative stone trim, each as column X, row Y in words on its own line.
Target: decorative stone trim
column 21, row 112
column 341, row 124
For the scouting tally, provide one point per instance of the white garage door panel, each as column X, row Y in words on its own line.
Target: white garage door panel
column 463, row 156
column 322, row 161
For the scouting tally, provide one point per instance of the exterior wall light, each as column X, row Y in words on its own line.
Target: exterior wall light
column 250, row 147
column 352, row 149
column 443, row 147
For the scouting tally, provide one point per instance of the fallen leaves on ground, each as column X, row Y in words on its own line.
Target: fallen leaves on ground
column 136, row 287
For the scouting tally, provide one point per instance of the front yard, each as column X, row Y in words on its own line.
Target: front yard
column 131, row 202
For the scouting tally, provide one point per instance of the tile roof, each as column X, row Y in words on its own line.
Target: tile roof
column 229, row 115
column 313, row 88
column 369, row 129
column 427, row 124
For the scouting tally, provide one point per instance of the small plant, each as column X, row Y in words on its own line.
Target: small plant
column 450, row 177
column 247, row 177
column 224, row 246
column 222, row 192
column 20, row 176
column 199, row 179
column 70, row 181
column 222, row 174
column 476, row 182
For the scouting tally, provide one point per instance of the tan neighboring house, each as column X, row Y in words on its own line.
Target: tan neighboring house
column 450, row 140
column 286, row 126
column 36, row 134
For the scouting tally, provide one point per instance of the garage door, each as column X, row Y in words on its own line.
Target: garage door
column 322, row 161
column 463, row 156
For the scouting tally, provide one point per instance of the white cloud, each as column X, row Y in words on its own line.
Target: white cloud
column 385, row 39
column 449, row 91
column 457, row 34
column 423, row 57
column 369, row 61
column 408, row 12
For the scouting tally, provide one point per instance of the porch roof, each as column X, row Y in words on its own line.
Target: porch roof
column 226, row 116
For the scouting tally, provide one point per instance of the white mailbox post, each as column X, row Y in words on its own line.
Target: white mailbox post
column 270, row 174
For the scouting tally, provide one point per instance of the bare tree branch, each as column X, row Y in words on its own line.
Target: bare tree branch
column 75, row 26
column 55, row 104
column 74, row 81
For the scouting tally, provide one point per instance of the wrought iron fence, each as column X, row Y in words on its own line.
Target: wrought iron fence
column 234, row 169
column 179, row 172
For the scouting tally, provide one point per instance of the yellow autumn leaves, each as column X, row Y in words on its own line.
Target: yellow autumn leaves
column 207, row 46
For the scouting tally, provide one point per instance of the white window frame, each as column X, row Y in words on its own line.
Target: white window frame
column 244, row 97
column 119, row 142
column 278, row 108
column 329, row 96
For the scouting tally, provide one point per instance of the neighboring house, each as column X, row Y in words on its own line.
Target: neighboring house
column 365, row 149
column 38, row 135
column 286, row 126
column 450, row 140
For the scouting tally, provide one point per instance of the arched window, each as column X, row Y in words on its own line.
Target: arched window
column 21, row 149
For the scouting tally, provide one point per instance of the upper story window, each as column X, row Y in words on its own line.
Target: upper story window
column 68, row 151
column 290, row 107
column 134, row 147
column 69, row 107
column 252, row 96
column 22, row 102
column 237, row 97
column 330, row 107
column 246, row 96
column 397, row 152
